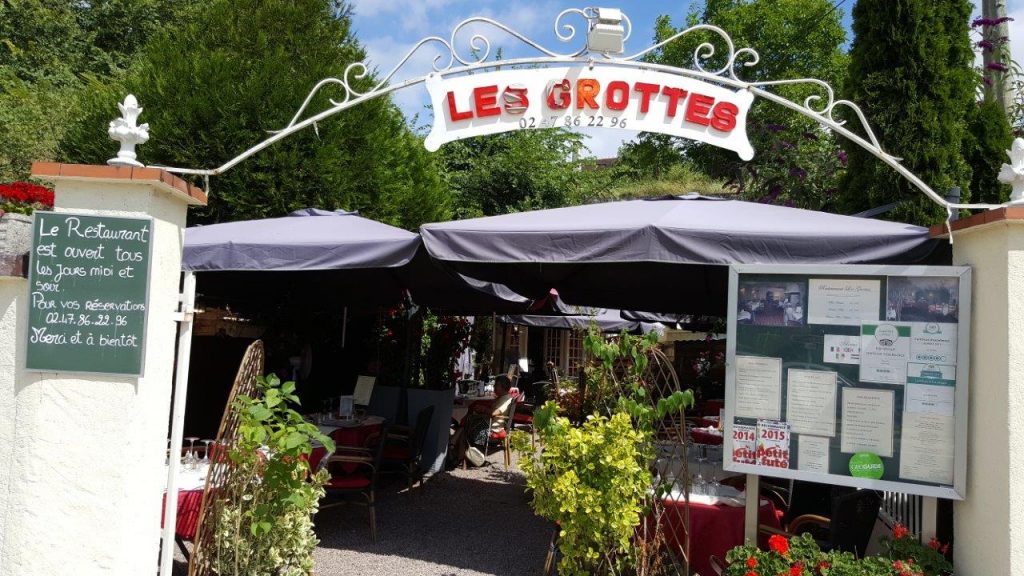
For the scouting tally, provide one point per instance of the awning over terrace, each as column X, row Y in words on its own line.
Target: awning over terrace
column 667, row 254
column 335, row 257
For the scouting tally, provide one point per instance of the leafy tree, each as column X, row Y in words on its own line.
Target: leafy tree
column 45, row 50
column 910, row 71
column 239, row 70
column 797, row 162
column 514, row 171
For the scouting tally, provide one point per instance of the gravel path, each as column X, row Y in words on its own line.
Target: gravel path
column 460, row 523
column 470, row 522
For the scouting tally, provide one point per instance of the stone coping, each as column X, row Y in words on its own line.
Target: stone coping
column 1008, row 214
column 162, row 179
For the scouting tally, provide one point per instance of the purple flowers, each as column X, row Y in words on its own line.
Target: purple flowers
column 843, row 158
column 990, row 21
column 798, row 172
column 775, row 127
column 997, row 66
column 988, row 45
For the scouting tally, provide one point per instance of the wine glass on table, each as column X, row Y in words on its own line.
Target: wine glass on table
column 700, row 484
column 206, row 452
column 190, row 456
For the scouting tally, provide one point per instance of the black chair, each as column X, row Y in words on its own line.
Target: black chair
column 354, row 471
column 847, row 529
column 403, row 448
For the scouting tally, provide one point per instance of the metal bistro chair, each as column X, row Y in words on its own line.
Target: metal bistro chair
column 500, row 436
column 403, row 447
column 354, row 470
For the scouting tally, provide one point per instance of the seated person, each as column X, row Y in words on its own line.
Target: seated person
column 474, row 428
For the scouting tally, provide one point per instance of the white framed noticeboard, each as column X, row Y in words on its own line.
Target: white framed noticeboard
column 853, row 375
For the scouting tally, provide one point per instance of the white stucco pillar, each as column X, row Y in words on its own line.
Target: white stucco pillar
column 989, row 524
column 82, row 456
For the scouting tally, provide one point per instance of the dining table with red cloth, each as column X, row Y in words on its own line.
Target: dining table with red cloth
column 714, row 529
column 189, row 502
column 353, row 435
column 702, row 437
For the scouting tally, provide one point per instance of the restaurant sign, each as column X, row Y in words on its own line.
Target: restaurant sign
column 591, row 97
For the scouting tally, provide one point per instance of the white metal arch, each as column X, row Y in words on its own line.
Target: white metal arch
column 449, row 62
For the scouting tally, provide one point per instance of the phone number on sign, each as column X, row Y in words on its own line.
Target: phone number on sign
column 572, row 122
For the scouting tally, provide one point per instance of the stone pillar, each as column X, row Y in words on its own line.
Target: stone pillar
column 989, row 524
column 82, row 455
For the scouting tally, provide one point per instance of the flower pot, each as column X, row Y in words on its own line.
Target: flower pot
column 15, row 233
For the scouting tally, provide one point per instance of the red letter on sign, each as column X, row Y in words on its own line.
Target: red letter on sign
column 646, row 91
column 724, row 116
column 563, row 95
column 674, row 95
column 618, row 95
column 454, row 114
column 486, row 100
column 697, row 109
column 586, row 89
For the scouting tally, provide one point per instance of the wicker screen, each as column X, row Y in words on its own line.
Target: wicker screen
column 221, row 469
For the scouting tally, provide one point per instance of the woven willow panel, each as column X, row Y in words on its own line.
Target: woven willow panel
column 666, row 533
column 221, row 471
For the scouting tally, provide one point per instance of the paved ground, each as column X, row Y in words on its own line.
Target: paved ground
column 460, row 523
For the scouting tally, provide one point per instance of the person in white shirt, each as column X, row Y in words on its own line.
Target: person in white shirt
column 475, row 425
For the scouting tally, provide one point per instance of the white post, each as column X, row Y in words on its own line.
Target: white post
column 188, row 299
column 989, row 523
column 753, row 504
column 85, row 466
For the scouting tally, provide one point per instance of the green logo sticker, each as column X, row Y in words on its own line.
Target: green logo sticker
column 866, row 465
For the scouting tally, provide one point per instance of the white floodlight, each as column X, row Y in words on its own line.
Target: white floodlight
column 606, row 31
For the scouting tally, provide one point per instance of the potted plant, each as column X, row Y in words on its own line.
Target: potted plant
column 593, row 476
column 18, row 200
column 903, row 555
column 264, row 511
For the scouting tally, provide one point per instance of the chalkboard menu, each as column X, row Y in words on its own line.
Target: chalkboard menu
column 849, row 375
column 88, row 293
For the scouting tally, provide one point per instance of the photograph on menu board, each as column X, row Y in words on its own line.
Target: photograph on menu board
column 765, row 303
column 923, row 299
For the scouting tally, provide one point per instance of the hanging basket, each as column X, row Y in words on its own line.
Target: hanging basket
column 15, row 233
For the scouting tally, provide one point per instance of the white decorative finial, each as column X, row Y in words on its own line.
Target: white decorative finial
column 1013, row 173
column 128, row 133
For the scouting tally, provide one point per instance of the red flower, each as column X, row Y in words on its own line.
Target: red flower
column 751, row 562
column 750, row 573
column 779, row 544
column 823, row 565
column 796, row 570
column 899, row 531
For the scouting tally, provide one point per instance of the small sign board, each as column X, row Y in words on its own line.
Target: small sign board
column 88, row 293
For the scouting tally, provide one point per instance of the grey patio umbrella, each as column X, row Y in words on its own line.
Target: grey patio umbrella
column 606, row 319
column 330, row 256
column 665, row 254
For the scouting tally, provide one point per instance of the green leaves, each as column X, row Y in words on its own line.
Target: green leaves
column 264, row 513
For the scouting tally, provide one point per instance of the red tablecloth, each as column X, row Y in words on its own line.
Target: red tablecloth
column 705, row 437
column 714, row 530
column 354, row 436
column 189, row 502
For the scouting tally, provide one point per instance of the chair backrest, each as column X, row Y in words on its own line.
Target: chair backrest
column 378, row 450
column 419, row 433
column 509, row 417
column 853, row 519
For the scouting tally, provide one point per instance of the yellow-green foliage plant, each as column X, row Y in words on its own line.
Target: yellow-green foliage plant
column 593, row 476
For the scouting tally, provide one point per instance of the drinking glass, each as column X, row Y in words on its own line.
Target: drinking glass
column 190, row 456
column 700, row 484
column 206, row 454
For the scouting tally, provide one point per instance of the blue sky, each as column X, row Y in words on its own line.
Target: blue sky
column 389, row 28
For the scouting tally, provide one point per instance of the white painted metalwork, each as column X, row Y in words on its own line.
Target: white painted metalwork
column 451, row 62
column 184, row 318
column 126, row 131
column 1013, row 173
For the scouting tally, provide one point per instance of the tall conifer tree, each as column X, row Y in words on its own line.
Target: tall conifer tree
column 910, row 71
